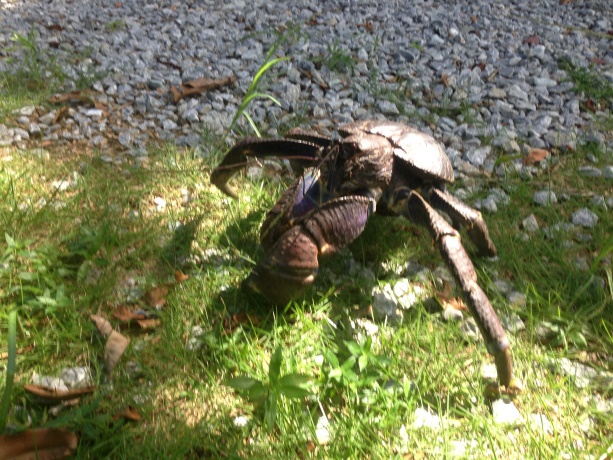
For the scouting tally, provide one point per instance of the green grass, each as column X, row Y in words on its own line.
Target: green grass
column 33, row 74
column 187, row 409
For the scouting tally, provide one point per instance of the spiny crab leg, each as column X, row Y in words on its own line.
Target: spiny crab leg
column 464, row 215
column 302, row 152
column 450, row 246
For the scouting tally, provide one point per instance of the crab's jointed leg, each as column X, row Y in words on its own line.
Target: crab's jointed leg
column 464, row 215
column 413, row 206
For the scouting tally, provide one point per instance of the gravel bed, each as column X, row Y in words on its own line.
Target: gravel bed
column 463, row 72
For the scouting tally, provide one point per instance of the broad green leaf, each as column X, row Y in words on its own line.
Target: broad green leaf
column 270, row 416
column 45, row 300
column 331, row 358
column 353, row 347
column 362, row 362
column 294, row 380
column 27, row 276
column 256, row 392
column 349, row 363
column 241, row 383
column 335, row 374
column 294, row 392
column 274, row 368
column 9, row 240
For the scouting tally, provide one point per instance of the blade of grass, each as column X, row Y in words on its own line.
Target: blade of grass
column 10, row 369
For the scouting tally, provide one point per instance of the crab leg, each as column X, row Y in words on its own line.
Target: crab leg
column 291, row 263
column 448, row 242
column 466, row 216
column 301, row 152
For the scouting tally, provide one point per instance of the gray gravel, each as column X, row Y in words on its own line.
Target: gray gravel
column 351, row 60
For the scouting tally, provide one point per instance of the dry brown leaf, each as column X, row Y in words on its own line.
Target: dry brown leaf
column 532, row 40
column 123, row 313
column 102, row 324
column 445, row 293
column 142, row 324
column 51, row 394
column 38, row 444
column 20, row 351
column 156, row 296
column 60, row 114
column 199, row 86
column 231, row 323
column 456, row 303
column 65, row 97
column 535, row 156
column 129, row 413
column 180, row 276
column 115, row 346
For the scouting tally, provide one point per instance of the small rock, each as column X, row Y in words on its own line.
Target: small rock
column 452, row 314
column 470, row 330
column 540, row 422
column 387, row 107
column 512, row 322
column 505, row 413
column 529, row 224
column 241, row 421
column 489, row 373
column 516, row 299
column 322, row 432
column 423, row 418
column 76, row 377
column 545, row 198
column 589, row 171
column 53, row 383
column 607, row 172
column 582, row 375
column 585, row 218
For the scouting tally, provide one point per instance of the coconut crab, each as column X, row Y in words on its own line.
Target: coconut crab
column 380, row 166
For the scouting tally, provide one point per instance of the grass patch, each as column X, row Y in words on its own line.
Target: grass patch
column 33, row 74
column 103, row 239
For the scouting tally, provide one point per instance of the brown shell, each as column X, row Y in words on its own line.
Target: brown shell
column 420, row 150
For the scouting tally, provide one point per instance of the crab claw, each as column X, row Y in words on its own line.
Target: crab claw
column 300, row 152
column 288, row 270
column 291, row 264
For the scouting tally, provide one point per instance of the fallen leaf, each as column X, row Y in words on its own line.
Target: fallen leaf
column 532, row 40
column 535, row 156
column 445, row 293
column 590, row 105
column 38, row 444
column 65, row 97
column 156, row 296
column 598, row 61
column 123, row 313
column 129, row 413
column 57, row 27
column 53, row 395
column 115, row 346
column 456, row 303
column 368, row 26
column 102, row 324
column 20, row 351
column 59, row 115
column 198, row 86
column 180, row 277
column 231, row 323
column 142, row 324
